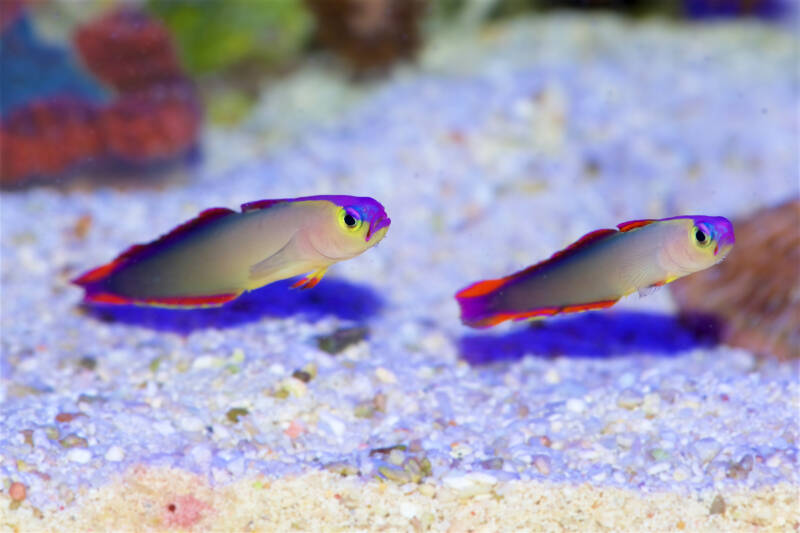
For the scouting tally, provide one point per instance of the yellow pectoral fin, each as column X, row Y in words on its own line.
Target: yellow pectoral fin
column 311, row 279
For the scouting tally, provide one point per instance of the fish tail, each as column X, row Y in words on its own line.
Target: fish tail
column 479, row 307
column 477, row 304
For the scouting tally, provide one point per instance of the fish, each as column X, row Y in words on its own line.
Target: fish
column 600, row 268
column 221, row 253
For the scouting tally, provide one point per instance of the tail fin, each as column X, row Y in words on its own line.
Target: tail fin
column 477, row 302
column 479, row 309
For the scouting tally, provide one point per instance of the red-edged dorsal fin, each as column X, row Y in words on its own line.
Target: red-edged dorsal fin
column 570, row 250
column 137, row 251
column 584, row 241
column 262, row 204
column 205, row 217
column 633, row 224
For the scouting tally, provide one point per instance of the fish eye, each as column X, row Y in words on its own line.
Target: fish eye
column 701, row 237
column 351, row 219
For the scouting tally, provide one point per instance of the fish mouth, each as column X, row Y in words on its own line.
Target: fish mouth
column 378, row 225
column 725, row 242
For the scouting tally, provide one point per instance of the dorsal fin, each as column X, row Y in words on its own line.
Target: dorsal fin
column 139, row 251
column 590, row 237
column 262, row 204
column 569, row 251
column 633, row 224
column 203, row 218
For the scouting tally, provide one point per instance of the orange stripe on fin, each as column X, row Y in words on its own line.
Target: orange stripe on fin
column 107, row 298
column 191, row 301
column 633, row 224
column 174, row 301
column 95, row 274
column 588, row 306
column 481, row 288
column 499, row 318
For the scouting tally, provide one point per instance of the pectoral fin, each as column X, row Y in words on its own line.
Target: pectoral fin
column 310, row 280
column 274, row 264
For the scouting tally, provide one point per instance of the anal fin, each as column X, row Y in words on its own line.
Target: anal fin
column 213, row 300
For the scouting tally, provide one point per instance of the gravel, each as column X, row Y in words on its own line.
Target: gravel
column 492, row 154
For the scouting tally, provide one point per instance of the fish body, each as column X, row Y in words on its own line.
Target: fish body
column 599, row 269
column 221, row 253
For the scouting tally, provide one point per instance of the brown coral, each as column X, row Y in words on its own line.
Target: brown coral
column 369, row 34
column 755, row 292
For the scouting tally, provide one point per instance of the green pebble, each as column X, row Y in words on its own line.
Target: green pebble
column 234, row 414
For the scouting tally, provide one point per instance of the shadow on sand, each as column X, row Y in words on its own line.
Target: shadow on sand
column 594, row 335
column 332, row 297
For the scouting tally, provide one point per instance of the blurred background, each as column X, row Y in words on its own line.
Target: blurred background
column 110, row 85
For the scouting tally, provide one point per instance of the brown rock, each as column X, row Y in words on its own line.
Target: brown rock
column 753, row 297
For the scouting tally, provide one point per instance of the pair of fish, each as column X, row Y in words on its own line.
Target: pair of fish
column 215, row 257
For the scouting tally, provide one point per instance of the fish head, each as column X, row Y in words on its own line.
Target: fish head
column 712, row 236
column 353, row 225
column 703, row 242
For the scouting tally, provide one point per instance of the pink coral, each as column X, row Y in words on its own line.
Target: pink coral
column 152, row 124
column 128, row 50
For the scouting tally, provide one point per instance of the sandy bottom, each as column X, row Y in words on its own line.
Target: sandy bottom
column 171, row 499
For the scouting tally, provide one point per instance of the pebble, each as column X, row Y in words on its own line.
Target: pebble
column 192, row 423
column 576, row 405
column 681, row 473
column 707, row 449
column 164, row 427
column 629, row 399
column 385, row 376
column 625, row 440
column 469, row 485
column 201, row 454
column 336, row 425
column 542, row 464
column 717, row 506
column 79, row 455
column 115, row 454
column 651, row 405
column 552, row 377
column 658, row 468
column 396, row 457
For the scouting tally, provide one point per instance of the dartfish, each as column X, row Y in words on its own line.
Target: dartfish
column 599, row 269
column 216, row 256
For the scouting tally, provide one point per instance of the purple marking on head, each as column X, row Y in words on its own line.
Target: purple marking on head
column 719, row 229
column 368, row 209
